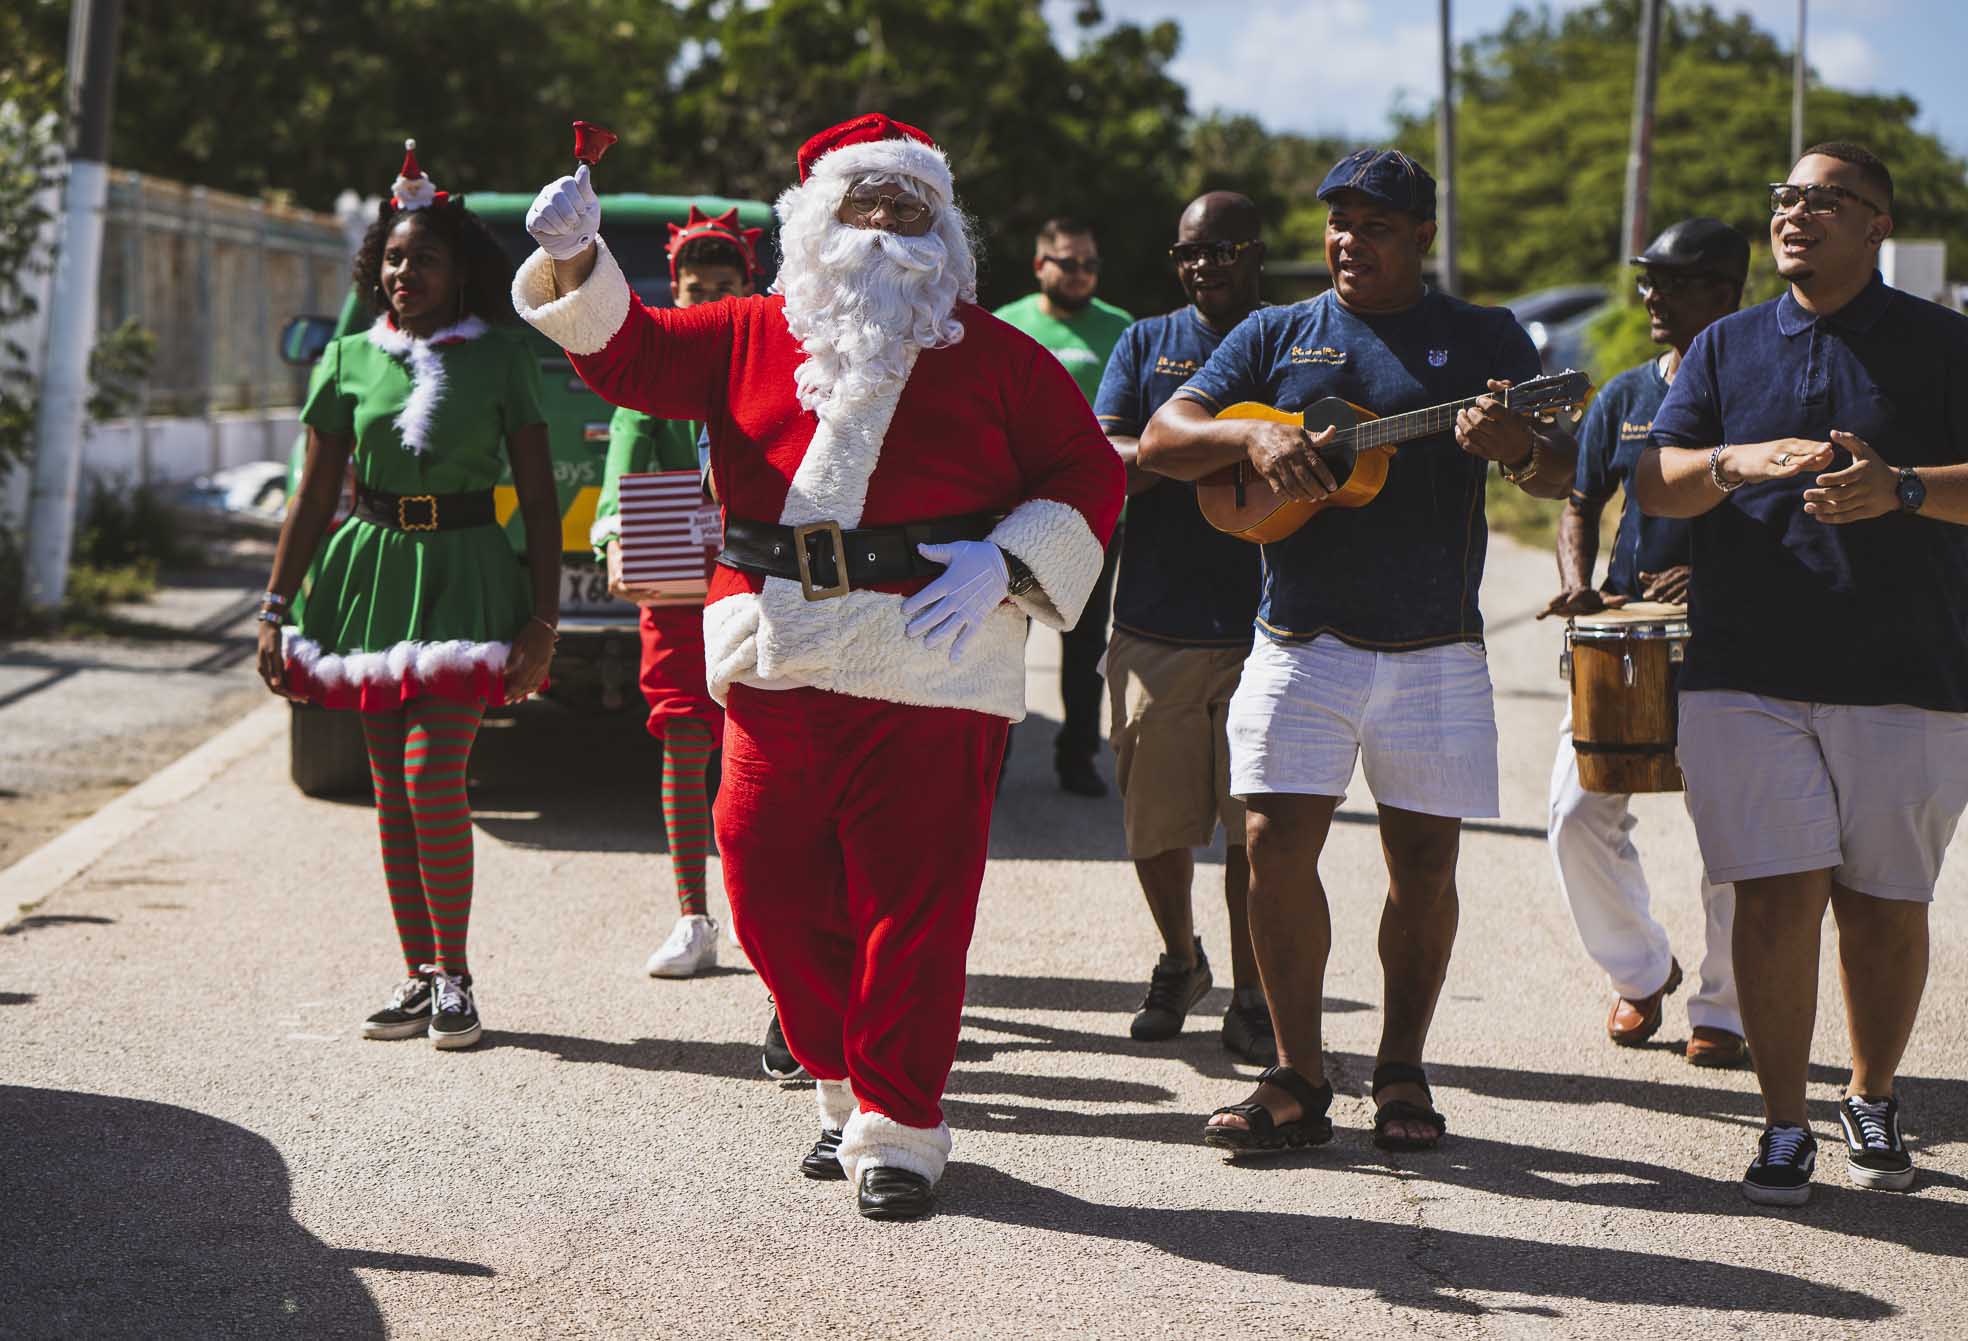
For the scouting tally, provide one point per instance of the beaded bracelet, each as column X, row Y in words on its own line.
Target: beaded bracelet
column 270, row 617
column 269, row 598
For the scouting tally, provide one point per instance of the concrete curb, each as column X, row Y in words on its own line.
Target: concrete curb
column 46, row 869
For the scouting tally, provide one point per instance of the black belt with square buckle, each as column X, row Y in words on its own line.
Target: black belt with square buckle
column 426, row 512
column 827, row 561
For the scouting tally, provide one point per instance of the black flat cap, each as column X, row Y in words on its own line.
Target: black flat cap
column 1699, row 244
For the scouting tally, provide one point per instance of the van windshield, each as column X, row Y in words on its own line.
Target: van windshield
column 641, row 254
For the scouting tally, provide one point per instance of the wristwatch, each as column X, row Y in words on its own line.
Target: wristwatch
column 1911, row 490
column 1523, row 470
column 1022, row 579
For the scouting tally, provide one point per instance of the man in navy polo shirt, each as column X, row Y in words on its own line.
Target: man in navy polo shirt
column 1820, row 443
column 1372, row 646
column 1691, row 275
column 1183, row 606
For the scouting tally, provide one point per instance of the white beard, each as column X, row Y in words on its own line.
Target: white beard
column 862, row 302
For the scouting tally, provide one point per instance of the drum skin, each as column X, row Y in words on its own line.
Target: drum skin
column 1624, row 721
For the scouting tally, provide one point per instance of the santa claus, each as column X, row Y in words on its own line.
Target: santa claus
column 904, row 480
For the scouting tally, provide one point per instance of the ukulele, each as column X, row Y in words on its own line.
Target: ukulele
column 1237, row 500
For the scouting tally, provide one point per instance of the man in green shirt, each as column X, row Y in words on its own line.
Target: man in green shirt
column 1081, row 331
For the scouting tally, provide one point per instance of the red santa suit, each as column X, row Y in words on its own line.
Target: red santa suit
column 860, row 763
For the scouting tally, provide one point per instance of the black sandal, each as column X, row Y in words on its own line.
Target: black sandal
column 1310, row 1127
column 1405, row 1110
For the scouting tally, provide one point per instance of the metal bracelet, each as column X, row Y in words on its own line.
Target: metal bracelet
column 554, row 629
column 1715, row 472
column 271, row 617
column 269, row 598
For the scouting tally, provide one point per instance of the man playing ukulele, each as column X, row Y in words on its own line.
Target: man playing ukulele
column 1372, row 641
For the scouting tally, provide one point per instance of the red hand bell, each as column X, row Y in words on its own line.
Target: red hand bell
column 591, row 141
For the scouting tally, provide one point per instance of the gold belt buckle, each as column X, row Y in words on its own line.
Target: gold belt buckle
column 832, row 531
column 403, row 523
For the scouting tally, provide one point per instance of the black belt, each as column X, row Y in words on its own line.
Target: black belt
column 425, row 512
column 811, row 555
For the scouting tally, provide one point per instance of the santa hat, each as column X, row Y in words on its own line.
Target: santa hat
column 412, row 190
column 724, row 228
column 876, row 144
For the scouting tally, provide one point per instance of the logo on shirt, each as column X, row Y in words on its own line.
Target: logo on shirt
column 1631, row 432
column 1076, row 354
column 1325, row 354
column 1168, row 367
column 1437, row 358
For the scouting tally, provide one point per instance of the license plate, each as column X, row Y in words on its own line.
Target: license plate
column 584, row 590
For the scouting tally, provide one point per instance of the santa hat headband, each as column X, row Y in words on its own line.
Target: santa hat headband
column 412, row 190
column 874, row 144
column 723, row 228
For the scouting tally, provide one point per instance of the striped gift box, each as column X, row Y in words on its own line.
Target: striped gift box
column 670, row 535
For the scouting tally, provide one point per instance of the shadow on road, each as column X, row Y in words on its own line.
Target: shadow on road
column 43, row 921
column 130, row 1218
column 1408, row 1266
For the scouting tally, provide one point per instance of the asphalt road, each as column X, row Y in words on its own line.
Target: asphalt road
column 193, row 1140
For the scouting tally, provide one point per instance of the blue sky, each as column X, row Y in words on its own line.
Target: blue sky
column 1254, row 55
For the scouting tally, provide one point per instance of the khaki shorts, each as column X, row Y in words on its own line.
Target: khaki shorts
column 1171, row 705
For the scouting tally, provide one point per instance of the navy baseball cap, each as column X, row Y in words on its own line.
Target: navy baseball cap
column 1699, row 244
column 1387, row 175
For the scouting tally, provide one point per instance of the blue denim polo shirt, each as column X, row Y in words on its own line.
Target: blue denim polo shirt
column 1403, row 571
column 1782, row 604
column 1610, row 441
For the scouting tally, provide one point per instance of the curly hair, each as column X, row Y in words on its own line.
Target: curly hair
column 488, row 270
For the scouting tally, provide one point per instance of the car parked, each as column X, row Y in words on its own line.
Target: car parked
column 597, row 657
column 1556, row 320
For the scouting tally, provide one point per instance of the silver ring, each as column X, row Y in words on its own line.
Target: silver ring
column 1784, row 460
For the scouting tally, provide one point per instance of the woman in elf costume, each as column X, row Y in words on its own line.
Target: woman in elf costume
column 418, row 614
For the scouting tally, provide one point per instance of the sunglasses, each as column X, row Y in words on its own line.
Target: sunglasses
column 1216, row 253
column 1073, row 265
column 1817, row 200
column 1670, row 285
column 903, row 209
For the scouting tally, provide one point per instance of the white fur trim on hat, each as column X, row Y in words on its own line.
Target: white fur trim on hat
column 1056, row 543
column 581, row 322
column 835, row 1100
column 876, row 1141
column 390, row 666
column 900, row 157
column 426, row 373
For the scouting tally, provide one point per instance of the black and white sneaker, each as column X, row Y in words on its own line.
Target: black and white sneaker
column 1781, row 1173
column 1875, row 1152
column 408, row 1011
column 775, row 1058
column 454, row 1017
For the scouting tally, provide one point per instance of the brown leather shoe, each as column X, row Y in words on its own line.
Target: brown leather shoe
column 1709, row 1046
column 1634, row 1022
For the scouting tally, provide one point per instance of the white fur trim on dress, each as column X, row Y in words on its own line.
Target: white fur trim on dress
column 389, row 667
column 1056, row 543
column 426, row 373
column 835, row 1100
column 605, row 529
column 900, row 157
column 581, row 322
column 876, row 1141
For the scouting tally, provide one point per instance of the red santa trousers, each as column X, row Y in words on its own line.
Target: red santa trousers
column 854, row 833
column 673, row 681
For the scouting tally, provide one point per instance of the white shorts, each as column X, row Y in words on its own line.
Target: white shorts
column 1422, row 724
column 1777, row 787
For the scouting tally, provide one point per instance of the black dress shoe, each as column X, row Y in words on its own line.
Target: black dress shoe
column 894, row 1194
column 1078, row 775
column 823, row 1161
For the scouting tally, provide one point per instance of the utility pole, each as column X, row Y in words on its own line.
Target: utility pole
column 1797, row 90
column 1447, row 278
column 1640, row 154
column 58, row 420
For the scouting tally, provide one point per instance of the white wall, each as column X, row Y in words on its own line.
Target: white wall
column 172, row 451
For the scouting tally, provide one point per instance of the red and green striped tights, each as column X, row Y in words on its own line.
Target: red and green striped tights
column 687, row 746
column 417, row 759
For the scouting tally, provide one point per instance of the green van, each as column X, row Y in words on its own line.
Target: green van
column 597, row 658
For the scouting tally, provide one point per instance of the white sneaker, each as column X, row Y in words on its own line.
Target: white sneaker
column 691, row 948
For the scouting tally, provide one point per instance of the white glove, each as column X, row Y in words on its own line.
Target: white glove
column 565, row 217
column 954, row 606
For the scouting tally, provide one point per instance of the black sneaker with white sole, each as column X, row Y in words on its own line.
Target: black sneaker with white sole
column 1875, row 1152
column 776, row 1058
column 454, row 1014
column 408, row 1012
column 1781, row 1173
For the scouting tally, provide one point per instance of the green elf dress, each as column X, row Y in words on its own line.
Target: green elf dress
column 389, row 615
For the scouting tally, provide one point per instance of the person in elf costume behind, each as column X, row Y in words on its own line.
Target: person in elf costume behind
column 419, row 616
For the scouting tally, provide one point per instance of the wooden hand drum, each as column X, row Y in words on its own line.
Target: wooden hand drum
column 1623, row 665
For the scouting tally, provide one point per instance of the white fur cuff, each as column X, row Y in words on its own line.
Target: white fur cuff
column 581, row 322
column 835, row 1100
column 875, row 1141
column 1056, row 543
column 605, row 529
